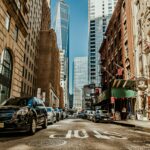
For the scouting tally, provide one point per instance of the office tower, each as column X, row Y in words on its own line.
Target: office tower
column 61, row 26
column 80, row 79
column 99, row 14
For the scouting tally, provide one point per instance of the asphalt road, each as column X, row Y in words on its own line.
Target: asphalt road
column 78, row 134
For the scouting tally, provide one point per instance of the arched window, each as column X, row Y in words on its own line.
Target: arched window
column 5, row 74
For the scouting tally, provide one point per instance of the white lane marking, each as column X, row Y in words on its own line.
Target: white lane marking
column 69, row 134
column 116, row 135
column 82, row 134
column 108, row 135
column 52, row 136
column 141, row 132
column 98, row 135
column 76, row 134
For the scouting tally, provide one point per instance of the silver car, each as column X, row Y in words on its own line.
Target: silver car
column 51, row 115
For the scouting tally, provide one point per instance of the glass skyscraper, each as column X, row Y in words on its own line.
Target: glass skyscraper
column 99, row 14
column 80, row 79
column 61, row 27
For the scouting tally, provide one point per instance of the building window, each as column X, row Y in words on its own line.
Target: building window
column 7, row 21
column 16, row 33
column 5, row 75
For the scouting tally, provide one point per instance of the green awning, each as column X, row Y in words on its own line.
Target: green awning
column 122, row 93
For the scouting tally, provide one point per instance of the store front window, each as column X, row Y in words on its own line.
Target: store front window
column 5, row 74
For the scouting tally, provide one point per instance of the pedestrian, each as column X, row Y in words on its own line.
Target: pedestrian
column 124, row 111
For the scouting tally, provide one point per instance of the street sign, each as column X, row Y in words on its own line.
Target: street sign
column 142, row 83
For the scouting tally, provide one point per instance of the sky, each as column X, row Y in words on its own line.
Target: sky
column 78, row 31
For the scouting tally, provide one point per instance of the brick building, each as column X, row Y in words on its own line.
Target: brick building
column 118, row 71
column 48, row 77
column 13, row 31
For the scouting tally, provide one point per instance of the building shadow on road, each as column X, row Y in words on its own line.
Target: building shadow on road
column 5, row 137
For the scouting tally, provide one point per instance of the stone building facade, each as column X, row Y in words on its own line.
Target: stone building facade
column 24, row 26
column 13, row 31
column 30, row 66
column 141, row 26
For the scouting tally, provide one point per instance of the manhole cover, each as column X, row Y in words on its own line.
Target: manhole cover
column 46, row 143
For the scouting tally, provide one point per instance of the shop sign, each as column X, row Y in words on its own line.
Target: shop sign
column 142, row 83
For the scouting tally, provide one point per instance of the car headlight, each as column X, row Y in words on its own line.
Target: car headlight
column 23, row 111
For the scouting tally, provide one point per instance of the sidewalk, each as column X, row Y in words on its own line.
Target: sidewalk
column 142, row 125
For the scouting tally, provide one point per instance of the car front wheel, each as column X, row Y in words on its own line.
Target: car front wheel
column 32, row 127
column 44, row 126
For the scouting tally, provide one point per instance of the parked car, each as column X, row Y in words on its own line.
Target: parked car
column 102, row 116
column 81, row 114
column 61, row 114
column 22, row 114
column 58, row 115
column 91, row 114
column 64, row 114
column 51, row 115
column 88, row 114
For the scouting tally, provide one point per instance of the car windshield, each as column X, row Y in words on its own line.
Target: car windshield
column 17, row 102
column 49, row 109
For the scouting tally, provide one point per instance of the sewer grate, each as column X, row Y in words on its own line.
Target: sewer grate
column 46, row 143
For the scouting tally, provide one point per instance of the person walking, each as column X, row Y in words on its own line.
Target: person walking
column 124, row 111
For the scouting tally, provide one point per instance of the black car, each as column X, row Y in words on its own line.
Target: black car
column 81, row 115
column 101, row 116
column 22, row 114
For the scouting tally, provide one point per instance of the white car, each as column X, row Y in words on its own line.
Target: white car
column 51, row 115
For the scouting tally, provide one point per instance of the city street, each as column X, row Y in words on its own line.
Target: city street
column 78, row 134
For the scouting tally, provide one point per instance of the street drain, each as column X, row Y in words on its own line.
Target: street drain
column 46, row 143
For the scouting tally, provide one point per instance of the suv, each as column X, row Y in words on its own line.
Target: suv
column 22, row 114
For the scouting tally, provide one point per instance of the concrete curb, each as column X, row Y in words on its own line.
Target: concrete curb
column 132, row 125
column 123, row 124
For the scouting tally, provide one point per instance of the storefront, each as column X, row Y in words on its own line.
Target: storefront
column 120, row 99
